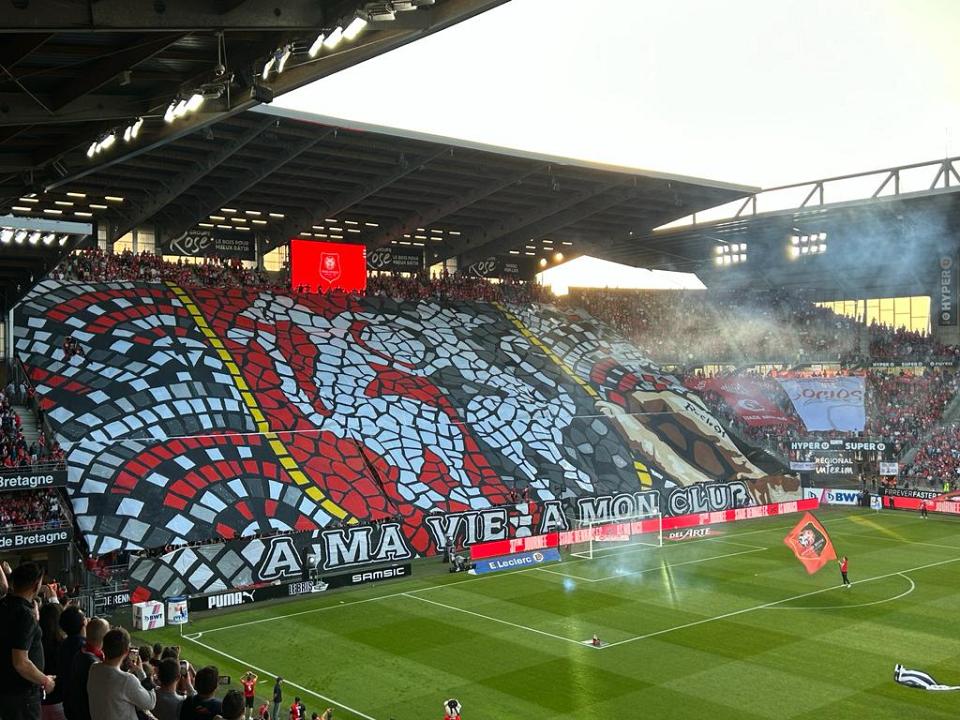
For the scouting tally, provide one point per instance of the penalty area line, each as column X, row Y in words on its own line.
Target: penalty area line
column 493, row 619
column 301, row 688
column 774, row 603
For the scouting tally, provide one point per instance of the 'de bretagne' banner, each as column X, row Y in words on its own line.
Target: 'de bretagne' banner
column 811, row 543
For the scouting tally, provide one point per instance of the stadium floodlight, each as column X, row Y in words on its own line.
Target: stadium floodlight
column 543, row 262
column 315, row 47
column 719, row 249
column 822, row 248
column 63, row 240
column 108, row 141
column 558, row 257
column 267, row 67
column 804, row 250
column 49, row 238
column 6, row 235
column 334, row 38
column 718, row 260
column 195, row 102
column 794, row 253
column 92, row 150
column 285, row 54
column 794, row 239
column 180, row 109
column 20, row 236
column 822, row 236
column 743, row 258
column 168, row 116
column 355, row 27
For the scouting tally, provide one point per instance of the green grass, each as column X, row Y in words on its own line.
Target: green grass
column 399, row 649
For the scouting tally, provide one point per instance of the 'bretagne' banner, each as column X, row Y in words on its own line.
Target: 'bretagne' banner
column 834, row 403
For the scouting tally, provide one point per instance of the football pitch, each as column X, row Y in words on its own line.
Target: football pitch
column 729, row 626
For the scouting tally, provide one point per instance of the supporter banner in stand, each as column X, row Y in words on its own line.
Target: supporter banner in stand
column 889, row 468
column 503, row 267
column 251, row 562
column 834, row 403
column 30, row 539
column 748, row 397
column 912, row 493
column 392, row 259
column 932, row 362
column 945, row 297
column 204, row 243
column 849, row 445
column 31, row 479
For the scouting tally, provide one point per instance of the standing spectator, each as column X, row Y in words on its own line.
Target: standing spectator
column 74, row 626
column 21, row 648
column 277, row 697
column 76, row 701
column 51, row 707
column 169, row 700
column 232, row 706
column 203, row 705
column 113, row 693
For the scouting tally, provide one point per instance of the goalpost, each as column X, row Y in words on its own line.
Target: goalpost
column 591, row 539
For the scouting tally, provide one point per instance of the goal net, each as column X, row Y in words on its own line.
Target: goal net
column 598, row 538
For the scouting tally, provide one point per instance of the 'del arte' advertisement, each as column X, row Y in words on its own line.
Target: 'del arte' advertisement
column 245, row 563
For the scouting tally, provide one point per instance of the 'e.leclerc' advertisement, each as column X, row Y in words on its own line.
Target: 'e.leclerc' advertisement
column 516, row 562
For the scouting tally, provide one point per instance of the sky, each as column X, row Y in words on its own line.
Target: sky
column 756, row 92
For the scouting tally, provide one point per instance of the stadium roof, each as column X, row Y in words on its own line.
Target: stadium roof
column 282, row 173
column 77, row 76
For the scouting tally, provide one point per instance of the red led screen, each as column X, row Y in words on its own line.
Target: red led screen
column 323, row 266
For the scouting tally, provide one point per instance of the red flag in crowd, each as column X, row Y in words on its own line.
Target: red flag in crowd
column 811, row 543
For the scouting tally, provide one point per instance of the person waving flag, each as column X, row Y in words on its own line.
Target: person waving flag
column 810, row 543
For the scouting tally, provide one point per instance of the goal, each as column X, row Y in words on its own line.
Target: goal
column 599, row 538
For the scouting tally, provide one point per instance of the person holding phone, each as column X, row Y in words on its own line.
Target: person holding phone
column 169, row 700
column 203, row 705
column 113, row 693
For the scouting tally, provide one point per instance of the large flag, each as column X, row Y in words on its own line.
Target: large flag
column 918, row 679
column 811, row 543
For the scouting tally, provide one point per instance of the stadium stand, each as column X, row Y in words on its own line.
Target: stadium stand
column 376, row 408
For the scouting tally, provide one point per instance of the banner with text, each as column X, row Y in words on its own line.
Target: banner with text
column 945, row 298
column 502, row 267
column 251, row 562
column 834, row 403
column 752, row 399
column 32, row 479
column 204, row 243
column 391, row 259
column 33, row 539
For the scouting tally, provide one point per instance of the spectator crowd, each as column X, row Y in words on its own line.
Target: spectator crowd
column 31, row 510
column 685, row 326
column 56, row 664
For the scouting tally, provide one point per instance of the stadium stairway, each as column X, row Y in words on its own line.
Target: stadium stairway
column 951, row 415
column 28, row 418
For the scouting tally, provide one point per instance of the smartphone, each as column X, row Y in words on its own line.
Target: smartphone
column 183, row 666
column 224, row 679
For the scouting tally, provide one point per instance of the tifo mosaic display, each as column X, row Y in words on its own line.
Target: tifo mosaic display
column 246, row 411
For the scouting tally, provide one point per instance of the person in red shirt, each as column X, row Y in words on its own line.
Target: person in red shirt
column 923, row 508
column 843, row 572
column 296, row 710
column 263, row 712
column 249, row 683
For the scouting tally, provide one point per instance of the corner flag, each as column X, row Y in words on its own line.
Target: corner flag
column 811, row 543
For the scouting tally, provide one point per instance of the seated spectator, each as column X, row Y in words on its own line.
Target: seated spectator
column 113, row 693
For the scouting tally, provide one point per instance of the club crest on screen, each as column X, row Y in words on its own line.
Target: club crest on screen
column 330, row 266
